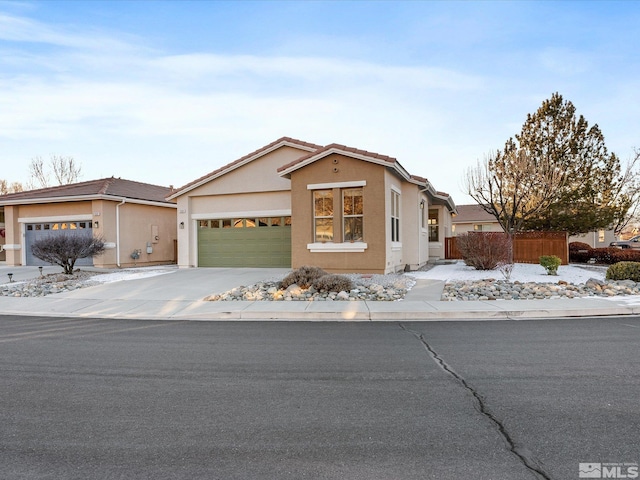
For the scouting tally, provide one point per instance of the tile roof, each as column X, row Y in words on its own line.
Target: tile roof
column 473, row 213
column 343, row 148
column 391, row 162
column 229, row 166
column 115, row 187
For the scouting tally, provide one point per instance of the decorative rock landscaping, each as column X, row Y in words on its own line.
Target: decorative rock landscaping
column 47, row 285
column 366, row 287
column 491, row 289
column 391, row 287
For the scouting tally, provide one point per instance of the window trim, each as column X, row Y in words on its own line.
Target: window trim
column 241, row 214
column 396, row 238
column 329, row 186
column 436, row 225
column 330, row 247
column 323, row 217
column 345, row 216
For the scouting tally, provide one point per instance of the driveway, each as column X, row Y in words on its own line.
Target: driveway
column 175, row 284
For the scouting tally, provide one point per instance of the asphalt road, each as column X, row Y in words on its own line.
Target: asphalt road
column 121, row 399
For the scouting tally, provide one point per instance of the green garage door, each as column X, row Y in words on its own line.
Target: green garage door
column 245, row 242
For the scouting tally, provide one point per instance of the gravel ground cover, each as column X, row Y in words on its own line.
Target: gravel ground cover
column 461, row 283
column 389, row 287
column 49, row 284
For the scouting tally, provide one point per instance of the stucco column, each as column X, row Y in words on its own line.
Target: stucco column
column 13, row 239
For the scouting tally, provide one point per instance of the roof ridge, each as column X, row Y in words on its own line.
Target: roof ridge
column 112, row 186
column 246, row 157
column 105, row 185
column 344, row 148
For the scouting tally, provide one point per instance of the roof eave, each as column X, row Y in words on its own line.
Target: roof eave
column 359, row 156
column 84, row 198
column 261, row 153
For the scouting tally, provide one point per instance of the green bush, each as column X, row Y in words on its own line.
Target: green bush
column 333, row 283
column 303, row 277
column 624, row 271
column 550, row 263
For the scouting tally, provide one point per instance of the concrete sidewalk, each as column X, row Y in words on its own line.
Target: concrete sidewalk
column 178, row 295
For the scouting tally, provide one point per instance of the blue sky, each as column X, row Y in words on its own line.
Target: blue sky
column 165, row 92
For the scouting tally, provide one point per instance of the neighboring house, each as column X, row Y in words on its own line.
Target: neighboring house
column 133, row 218
column 294, row 203
column 473, row 218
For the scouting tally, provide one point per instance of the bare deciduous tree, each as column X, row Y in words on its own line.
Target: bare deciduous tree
column 6, row 187
column 513, row 187
column 629, row 185
column 65, row 250
column 65, row 170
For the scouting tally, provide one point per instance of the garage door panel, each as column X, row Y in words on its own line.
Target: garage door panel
column 38, row 231
column 263, row 246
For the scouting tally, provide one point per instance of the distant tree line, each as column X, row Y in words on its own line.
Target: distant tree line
column 59, row 170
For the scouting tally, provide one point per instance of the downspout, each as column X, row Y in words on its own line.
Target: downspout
column 118, row 231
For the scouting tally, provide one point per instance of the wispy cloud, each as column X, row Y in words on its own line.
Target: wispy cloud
column 125, row 101
column 26, row 30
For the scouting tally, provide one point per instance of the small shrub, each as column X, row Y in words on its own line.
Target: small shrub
column 581, row 256
column 506, row 268
column 333, row 283
column 303, row 277
column 604, row 255
column 484, row 251
column 550, row 263
column 624, row 271
column 577, row 246
column 580, row 252
column 65, row 250
column 627, row 255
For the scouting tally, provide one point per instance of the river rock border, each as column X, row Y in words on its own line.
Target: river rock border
column 491, row 289
column 48, row 284
column 386, row 288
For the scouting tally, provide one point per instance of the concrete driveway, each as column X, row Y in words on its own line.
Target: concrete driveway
column 189, row 284
column 174, row 284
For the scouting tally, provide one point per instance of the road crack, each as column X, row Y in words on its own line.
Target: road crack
column 524, row 455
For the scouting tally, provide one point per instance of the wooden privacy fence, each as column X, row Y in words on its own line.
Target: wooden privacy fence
column 528, row 247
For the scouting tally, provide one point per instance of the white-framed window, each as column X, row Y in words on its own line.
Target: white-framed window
column 352, row 214
column 323, row 215
column 477, row 227
column 434, row 234
column 395, row 216
column 601, row 236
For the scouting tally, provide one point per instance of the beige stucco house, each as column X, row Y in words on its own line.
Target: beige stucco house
column 294, row 203
column 473, row 218
column 134, row 219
